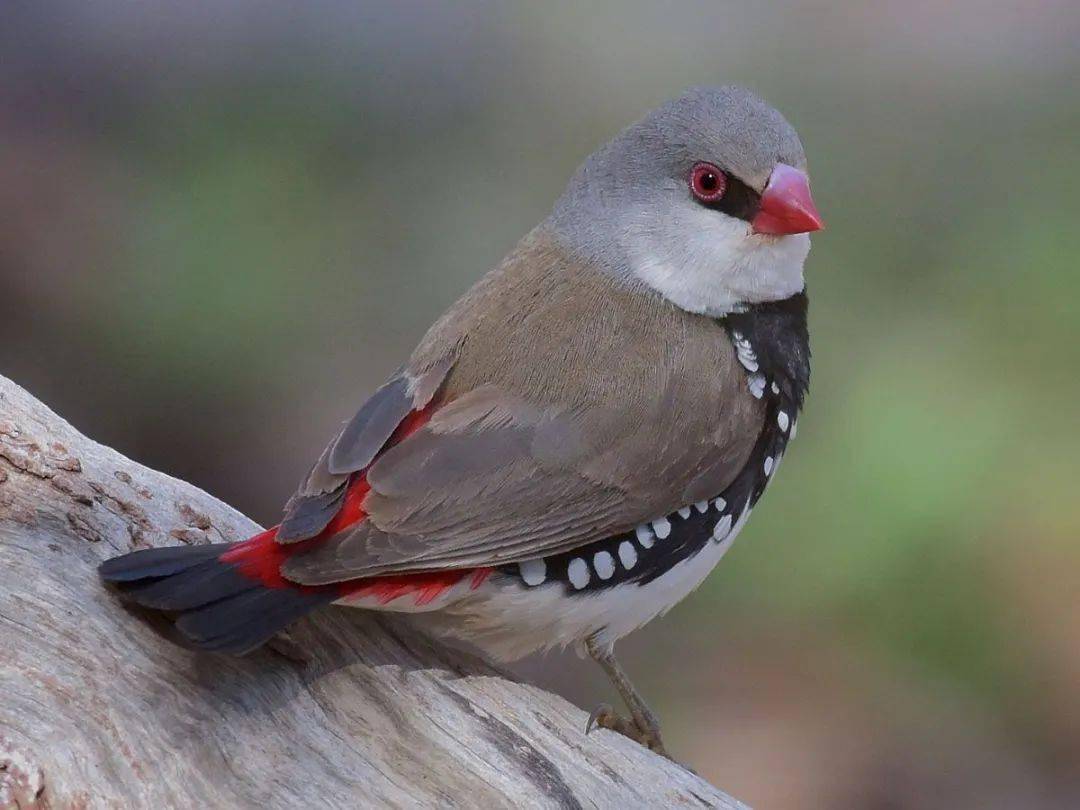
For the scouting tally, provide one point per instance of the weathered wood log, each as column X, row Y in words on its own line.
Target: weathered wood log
column 98, row 710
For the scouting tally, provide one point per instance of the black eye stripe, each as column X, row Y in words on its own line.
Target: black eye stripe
column 739, row 201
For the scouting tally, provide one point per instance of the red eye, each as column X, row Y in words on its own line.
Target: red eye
column 707, row 182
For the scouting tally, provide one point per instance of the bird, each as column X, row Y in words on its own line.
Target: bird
column 577, row 441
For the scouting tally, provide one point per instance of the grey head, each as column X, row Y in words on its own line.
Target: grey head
column 705, row 201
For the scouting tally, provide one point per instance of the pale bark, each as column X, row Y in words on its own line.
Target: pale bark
column 98, row 710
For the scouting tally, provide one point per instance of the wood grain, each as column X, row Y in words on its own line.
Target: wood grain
column 97, row 709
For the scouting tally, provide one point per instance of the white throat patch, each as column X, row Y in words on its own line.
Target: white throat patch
column 708, row 263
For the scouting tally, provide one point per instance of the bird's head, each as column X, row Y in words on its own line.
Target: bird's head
column 706, row 201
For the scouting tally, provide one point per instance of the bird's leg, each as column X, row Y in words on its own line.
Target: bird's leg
column 643, row 727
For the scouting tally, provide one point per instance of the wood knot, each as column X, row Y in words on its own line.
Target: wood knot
column 22, row 782
column 83, row 528
column 73, row 487
column 193, row 518
column 126, row 478
column 191, row 536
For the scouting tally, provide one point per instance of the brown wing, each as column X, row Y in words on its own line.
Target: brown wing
column 577, row 409
column 491, row 479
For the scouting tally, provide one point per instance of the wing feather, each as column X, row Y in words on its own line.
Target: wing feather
column 322, row 492
column 473, row 487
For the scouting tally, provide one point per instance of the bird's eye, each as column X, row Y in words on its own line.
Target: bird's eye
column 707, row 182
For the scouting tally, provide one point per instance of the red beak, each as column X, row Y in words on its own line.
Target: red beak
column 786, row 204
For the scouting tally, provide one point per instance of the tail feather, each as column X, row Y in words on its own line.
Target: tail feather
column 157, row 562
column 192, row 588
column 232, row 597
column 217, row 605
column 240, row 623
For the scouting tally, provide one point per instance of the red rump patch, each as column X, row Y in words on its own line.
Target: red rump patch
column 261, row 557
column 427, row 587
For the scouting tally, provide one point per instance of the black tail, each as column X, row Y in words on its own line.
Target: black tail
column 215, row 606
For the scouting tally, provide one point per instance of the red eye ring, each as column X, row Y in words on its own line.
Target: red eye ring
column 707, row 182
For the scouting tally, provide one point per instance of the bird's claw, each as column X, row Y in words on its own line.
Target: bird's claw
column 606, row 717
column 599, row 714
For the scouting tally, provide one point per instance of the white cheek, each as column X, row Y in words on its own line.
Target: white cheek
column 705, row 262
column 775, row 269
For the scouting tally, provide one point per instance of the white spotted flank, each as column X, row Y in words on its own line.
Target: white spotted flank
column 757, row 385
column 783, row 421
column 644, row 536
column 604, row 564
column 533, row 572
column 578, row 572
column 722, row 529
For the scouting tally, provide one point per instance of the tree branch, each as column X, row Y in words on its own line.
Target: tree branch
column 96, row 709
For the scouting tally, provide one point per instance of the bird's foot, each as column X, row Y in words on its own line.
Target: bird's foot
column 645, row 734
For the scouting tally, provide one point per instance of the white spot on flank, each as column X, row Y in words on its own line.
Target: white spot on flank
column 627, row 554
column 604, row 564
column 723, row 527
column 783, row 421
column 533, row 571
column 702, row 506
column 768, row 464
column 744, row 351
column 684, row 512
column 775, row 388
column 644, row 536
column 662, row 527
column 757, row 385
column 720, row 504
column 578, row 573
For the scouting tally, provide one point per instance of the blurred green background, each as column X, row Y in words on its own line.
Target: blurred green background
column 223, row 224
